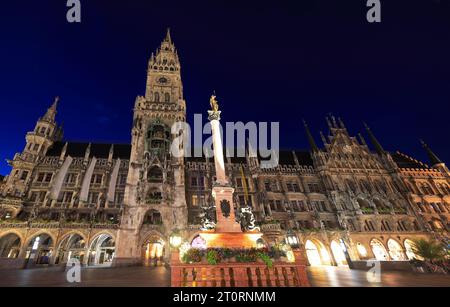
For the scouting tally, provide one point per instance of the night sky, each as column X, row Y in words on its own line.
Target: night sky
column 282, row 60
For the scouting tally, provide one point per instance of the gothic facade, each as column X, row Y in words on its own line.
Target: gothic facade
column 120, row 203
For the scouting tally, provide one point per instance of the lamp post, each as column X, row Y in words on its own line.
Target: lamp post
column 175, row 240
column 292, row 239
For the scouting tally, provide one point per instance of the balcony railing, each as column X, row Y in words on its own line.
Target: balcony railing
column 252, row 274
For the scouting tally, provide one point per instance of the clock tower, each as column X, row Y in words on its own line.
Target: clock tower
column 155, row 202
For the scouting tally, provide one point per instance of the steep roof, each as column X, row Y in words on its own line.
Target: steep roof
column 404, row 161
column 98, row 150
column 286, row 157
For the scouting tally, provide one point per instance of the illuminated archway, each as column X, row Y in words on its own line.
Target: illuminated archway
column 362, row 251
column 379, row 251
column 409, row 250
column 338, row 253
column 396, row 251
column 10, row 246
column 102, row 250
column 316, row 253
column 72, row 247
column 153, row 251
column 40, row 249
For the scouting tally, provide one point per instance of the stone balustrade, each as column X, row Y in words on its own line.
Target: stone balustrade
column 254, row 274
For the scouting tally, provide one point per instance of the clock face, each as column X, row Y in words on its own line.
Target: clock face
column 163, row 80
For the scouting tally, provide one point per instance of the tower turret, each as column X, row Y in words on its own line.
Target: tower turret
column 38, row 141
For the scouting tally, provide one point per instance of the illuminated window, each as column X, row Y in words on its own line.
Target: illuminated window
column 395, row 250
column 379, row 250
column 361, row 250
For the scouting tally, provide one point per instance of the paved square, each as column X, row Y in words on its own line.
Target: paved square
column 325, row 276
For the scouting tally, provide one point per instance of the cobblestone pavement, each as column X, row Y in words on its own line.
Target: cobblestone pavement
column 159, row 277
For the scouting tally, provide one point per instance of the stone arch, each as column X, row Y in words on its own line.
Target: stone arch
column 379, row 250
column 364, row 204
column 102, row 249
column 317, row 253
column 362, row 250
column 72, row 245
column 338, row 253
column 409, row 244
column 38, row 233
column 40, row 248
column 10, row 245
column 153, row 248
column 155, row 174
column 380, row 204
column 395, row 250
column 152, row 217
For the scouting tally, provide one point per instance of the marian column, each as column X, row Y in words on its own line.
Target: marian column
column 222, row 191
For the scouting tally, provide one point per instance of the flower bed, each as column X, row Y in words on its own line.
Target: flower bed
column 215, row 256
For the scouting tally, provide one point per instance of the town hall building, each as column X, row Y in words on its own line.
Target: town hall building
column 119, row 204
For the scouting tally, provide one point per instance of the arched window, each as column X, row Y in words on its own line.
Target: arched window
column 395, row 250
column 10, row 246
column 155, row 174
column 409, row 250
column 385, row 226
column 368, row 226
column 167, row 97
column 156, row 97
column 351, row 185
column 361, row 250
column 379, row 251
column 152, row 217
column 401, row 226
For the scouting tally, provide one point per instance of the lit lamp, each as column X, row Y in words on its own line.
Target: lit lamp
column 292, row 239
column 175, row 240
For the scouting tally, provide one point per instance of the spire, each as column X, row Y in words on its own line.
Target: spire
column 168, row 38
column 432, row 156
column 111, row 153
column 363, row 141
column 51, row 112
column 324, row 140
column 312, row 143
column 341, row 123
column 330, row 126
column 379, row 149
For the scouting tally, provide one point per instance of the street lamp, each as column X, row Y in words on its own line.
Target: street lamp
column 292, row 239
column 175, row 240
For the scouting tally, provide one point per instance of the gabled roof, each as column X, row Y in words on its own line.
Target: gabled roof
column 404, row 161
column 98, row 150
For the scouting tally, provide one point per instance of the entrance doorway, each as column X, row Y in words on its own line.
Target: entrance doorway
column 153, row 251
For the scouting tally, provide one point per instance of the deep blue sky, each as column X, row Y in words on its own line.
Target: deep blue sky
column 280, row 61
